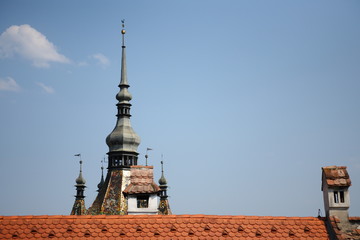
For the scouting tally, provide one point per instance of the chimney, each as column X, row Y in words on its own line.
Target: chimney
column 335, row 187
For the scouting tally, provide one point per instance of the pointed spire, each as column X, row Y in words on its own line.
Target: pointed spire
column 123, row 141
column 101, row 183
column 164, row 206
column 79, row 205
column 162, row 180
column 80, row 180
column 123, row 81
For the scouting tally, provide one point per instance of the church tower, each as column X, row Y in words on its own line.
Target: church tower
column 123, row 143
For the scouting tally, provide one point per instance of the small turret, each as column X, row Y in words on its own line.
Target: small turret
column 79, row 205
column 164, row 206
column 101, row 183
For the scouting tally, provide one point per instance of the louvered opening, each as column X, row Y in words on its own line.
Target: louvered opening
column 139, row 229
column 273, row 229
column 87, row 234
column 191, row 233
column 173, row 228
column 258, row 233
column 104, row 230
column 291, row 233
column 69, row 230
column 225, row 233
column 207, row 228
column 51, row 235
column 15, row 235
column 306, row 229
column 240, row 229
column 33, row 231
column 156, row 234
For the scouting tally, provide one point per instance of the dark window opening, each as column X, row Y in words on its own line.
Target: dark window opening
column 143, row 202
column 342, row 197
column 339, row 196
column 336, row 197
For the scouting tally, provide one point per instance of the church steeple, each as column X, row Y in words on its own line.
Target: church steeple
column 79, row 205
column 123, row 141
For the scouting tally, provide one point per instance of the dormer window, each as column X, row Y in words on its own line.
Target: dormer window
column 339, row 197
column 142, row 201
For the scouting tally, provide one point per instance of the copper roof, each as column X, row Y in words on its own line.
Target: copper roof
column 161, row 227
column 336, row 176
column 142, row 180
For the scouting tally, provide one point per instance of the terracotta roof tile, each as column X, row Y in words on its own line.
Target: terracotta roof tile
column 336, row 176
column 162, row 227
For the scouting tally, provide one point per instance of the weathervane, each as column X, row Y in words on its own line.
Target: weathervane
column 79, row 155
column 146, row 155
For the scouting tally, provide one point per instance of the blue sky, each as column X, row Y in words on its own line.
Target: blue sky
column 246, row 100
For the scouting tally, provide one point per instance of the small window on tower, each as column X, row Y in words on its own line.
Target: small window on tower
column 339, row 197
column 336, row 197
column 142, row 201
column 342, row 197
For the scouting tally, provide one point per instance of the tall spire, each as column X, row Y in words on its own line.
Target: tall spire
column 79, row 205
column 123, row 141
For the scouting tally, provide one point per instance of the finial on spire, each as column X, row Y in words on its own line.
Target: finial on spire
column 123, row 32
column 80, row 180
column 162, row 163
column 162, row 180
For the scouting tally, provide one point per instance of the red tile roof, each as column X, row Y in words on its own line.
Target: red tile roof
column 161, row 227
column 336, row 176
column 142, row 180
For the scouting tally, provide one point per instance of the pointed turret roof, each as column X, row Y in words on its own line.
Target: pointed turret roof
column 79, row 204
column 123, row 143
column 123, row 140
column 162, row 180
column 80, row 181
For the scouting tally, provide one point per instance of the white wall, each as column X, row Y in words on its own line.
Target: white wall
column 152, row 207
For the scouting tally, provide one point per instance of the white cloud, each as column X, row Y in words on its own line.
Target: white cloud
column 9, row 84
column 101, row 59
column 27, row 42
column 47, row 89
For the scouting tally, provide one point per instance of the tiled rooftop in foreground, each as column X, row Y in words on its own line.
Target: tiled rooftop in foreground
column 161, row 227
